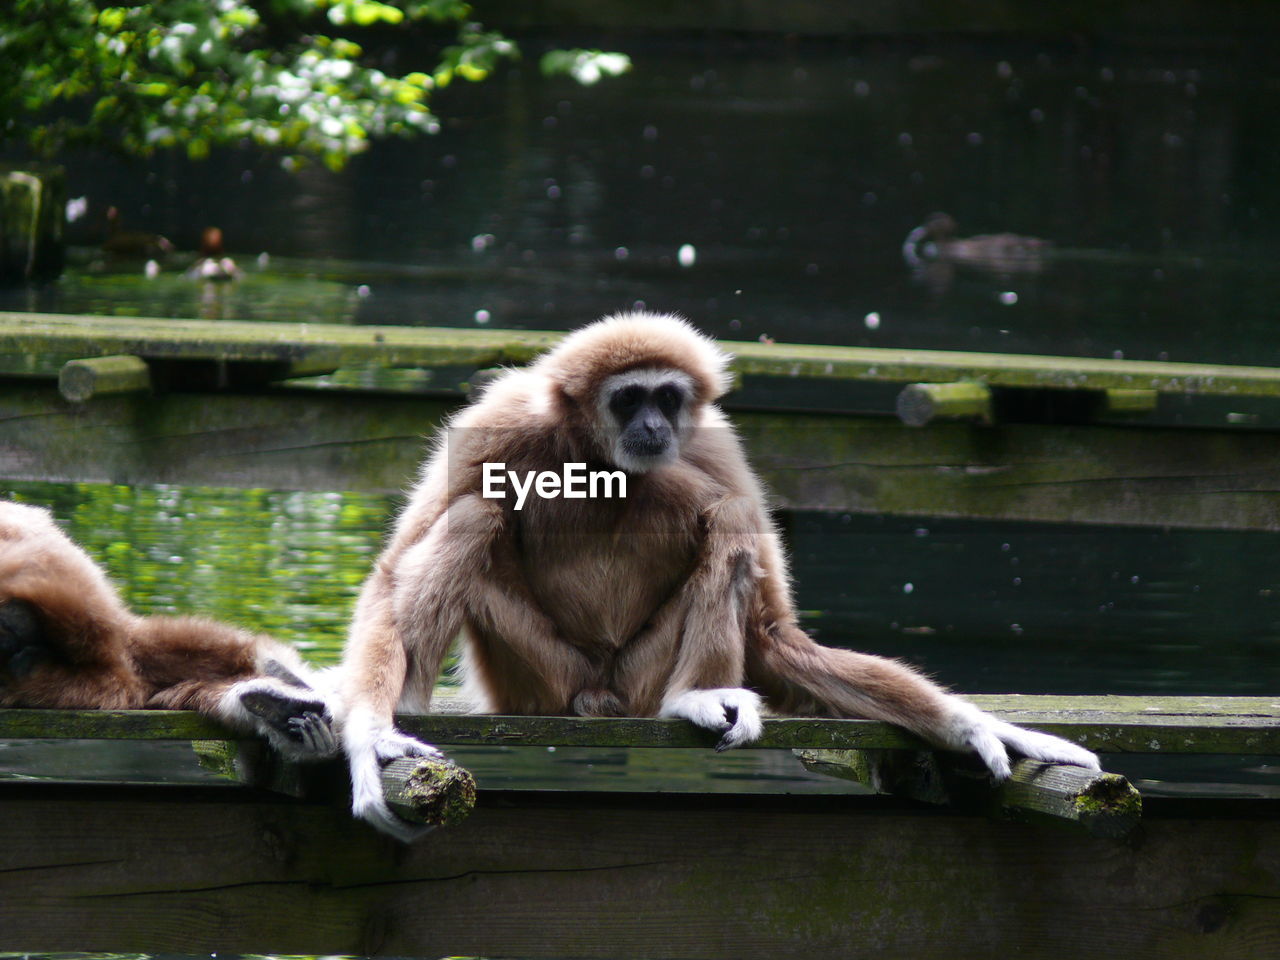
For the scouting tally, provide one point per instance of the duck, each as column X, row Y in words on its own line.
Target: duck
column 936, row 240
column 213, row 264
column 133, row 243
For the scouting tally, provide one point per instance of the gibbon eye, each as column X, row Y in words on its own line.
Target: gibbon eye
column 627, row 400
column 669, row 400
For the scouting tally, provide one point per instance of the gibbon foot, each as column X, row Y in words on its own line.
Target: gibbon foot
column 294, row 720
column 732, row 711
column 597, row 702
column 22, row 641
column 991, row 739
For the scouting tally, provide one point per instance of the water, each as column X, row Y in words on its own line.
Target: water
column 984, row 607
column 791, row 173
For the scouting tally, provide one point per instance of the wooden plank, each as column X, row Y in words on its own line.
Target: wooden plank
column 1163, row 725
column 538, row 877
column 80, row 380
column 333, row 345
column 308, row 440
column 1098, row 803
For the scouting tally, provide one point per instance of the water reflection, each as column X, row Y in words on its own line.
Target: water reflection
column 286, row 563
column 794, row 171
column 985, row 607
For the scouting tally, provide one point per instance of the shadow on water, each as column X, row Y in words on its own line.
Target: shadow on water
column 793, row 172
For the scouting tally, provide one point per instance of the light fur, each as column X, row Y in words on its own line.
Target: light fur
column 675, row 601
column 86, row 650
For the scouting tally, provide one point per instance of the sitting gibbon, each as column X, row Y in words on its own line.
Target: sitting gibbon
column 671, row 601
column 67, row 640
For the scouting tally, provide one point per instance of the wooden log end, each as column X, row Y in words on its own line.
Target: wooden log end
column 427, row 790
column 79, row 380
column 1108, row 806
column 921, row 403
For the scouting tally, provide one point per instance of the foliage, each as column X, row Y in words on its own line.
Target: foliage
column 285, row 74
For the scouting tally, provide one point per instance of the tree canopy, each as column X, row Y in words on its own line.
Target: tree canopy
column 289, row 75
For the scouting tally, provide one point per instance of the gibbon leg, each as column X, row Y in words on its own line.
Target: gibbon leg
column 249, row 682
column 709, row 616
column 804, row 678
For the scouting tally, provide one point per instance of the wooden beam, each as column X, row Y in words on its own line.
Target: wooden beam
column 544, row 876
column 309, row 440
column 79, row 380
column 922, row 403
column 327, row 346
column 1149, row 725
column 1099, row 804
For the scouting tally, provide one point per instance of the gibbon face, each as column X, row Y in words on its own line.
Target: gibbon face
column 647, row 416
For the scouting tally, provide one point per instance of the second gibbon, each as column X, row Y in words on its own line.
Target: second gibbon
column 67, row 640
column 674, row 601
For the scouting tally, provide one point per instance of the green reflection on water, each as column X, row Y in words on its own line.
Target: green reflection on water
column 287, row 563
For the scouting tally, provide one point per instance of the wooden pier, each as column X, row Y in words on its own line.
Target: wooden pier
column 622, row 871
column 331, row 407
column 631, row 838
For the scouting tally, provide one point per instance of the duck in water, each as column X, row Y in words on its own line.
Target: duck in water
column 213, row 265
column 935, row 240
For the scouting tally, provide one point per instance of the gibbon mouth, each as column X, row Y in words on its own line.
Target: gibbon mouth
column 646, row 449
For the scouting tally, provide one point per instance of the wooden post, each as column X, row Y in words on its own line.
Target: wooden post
column 1100, row 804
column 33, row 202
column 1120, row 400
column 81, row 379
column 921, row 403
column 427, row 790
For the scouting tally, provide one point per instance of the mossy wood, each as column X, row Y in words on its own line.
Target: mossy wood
column 1100, row 804
column 1157, row 725
column 183, row 871
column 329, row 346
column 80, row 380
column 922, row 403
column 1208, row 479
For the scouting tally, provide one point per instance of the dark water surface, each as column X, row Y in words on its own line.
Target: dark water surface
column 985, row 607
column 793, row 171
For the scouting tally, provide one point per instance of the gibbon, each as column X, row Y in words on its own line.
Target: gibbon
column 67, row 640
column 672, row 601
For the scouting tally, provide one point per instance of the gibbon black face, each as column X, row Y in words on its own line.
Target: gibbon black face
column 647, row 412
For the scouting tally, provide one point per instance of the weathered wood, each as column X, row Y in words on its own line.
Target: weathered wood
column 79, row 380
column 1100, row 804
column 1155, row 725
column 32, row 204
column 178, row 871
column 922, row 403
column 307, row 440
column 438, row 793
column 327, row 346
column 1131, row 401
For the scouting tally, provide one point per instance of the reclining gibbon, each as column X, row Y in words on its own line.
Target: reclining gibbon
column 67, row 640
column 671, row 601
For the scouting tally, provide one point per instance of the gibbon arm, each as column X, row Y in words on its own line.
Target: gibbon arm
column 708, row 618
column 409, row 614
